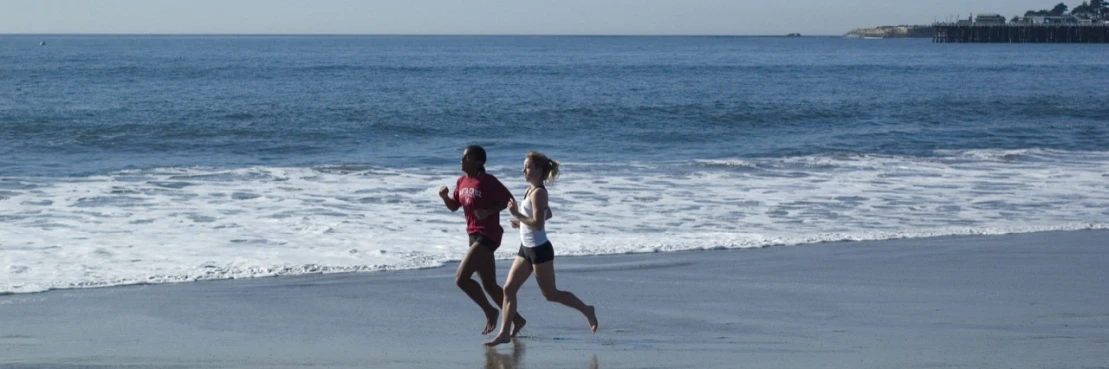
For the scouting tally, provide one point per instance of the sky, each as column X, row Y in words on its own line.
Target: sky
column 491, row 17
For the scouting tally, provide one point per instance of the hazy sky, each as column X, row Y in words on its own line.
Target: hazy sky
column 606, row 17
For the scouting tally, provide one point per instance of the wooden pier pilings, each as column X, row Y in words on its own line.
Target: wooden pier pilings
column 1020, row 33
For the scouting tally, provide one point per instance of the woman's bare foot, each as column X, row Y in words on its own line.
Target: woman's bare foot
column 591, row 316
column 499, row 339
column 517, row 325
column 491, row 322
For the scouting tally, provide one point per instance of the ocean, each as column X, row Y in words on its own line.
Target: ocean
column 158, row 159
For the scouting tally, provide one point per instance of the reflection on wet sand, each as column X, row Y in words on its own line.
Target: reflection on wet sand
column 515, row 359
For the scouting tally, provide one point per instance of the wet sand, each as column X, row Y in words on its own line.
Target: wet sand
column 1014, row 301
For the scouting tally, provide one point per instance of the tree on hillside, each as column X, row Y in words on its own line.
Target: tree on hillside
column 1016, row 18
column 1059, row 9
column 1081, row 9
column 1099, row 8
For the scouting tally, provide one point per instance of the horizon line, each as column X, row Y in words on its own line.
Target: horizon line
column 419, row 34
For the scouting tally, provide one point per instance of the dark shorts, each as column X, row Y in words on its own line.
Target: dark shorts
column 484, row 241
column 538, row 254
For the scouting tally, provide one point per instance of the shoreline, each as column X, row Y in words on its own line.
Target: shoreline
column 1021, row 300
column 503, row 256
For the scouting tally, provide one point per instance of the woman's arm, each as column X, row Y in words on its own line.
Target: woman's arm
column 538, row 198
column 449, row 202
column 502, row 197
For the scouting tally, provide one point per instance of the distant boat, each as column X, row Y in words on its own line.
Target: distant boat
column 42, row 43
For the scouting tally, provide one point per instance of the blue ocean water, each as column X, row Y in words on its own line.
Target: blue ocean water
column 147, row 159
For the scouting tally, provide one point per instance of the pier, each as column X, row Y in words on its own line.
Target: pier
column 1020, row 33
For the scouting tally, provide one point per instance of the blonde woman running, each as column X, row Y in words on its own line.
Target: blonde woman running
column 536, row 252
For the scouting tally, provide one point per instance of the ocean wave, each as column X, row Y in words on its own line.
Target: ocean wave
column 569, row 245
column 166, row 225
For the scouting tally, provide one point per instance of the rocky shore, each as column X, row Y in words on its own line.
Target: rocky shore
column 892, row 32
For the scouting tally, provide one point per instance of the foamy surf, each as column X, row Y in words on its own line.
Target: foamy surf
column 189, row 224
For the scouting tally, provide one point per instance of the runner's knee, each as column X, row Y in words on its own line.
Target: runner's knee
column 551, row 294
column 462, row 280
column 510, row 290
column 490, row 285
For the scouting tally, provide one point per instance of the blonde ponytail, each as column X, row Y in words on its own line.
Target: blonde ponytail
column 546, row 164
column 552, row 171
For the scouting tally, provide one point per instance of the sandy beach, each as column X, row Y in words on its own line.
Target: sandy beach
column 1016, row 301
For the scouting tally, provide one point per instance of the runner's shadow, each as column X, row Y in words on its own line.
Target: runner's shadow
column 497, row 360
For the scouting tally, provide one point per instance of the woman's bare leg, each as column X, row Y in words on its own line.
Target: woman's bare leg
column 478, row 258
column 517, row 275
column 545, row 277
column 488, row 275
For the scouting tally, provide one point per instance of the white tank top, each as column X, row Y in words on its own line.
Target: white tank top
column 530, row 237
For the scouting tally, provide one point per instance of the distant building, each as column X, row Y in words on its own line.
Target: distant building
column 989, row 18
column 1053, row 19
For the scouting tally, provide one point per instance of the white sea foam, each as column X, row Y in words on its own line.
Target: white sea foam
column 186, row 224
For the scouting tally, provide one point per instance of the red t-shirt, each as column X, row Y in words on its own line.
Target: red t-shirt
column 482, row 192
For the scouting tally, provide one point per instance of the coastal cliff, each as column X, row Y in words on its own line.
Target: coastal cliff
column 892, row 32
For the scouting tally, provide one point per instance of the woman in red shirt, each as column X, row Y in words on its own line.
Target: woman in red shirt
column 481, row 197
